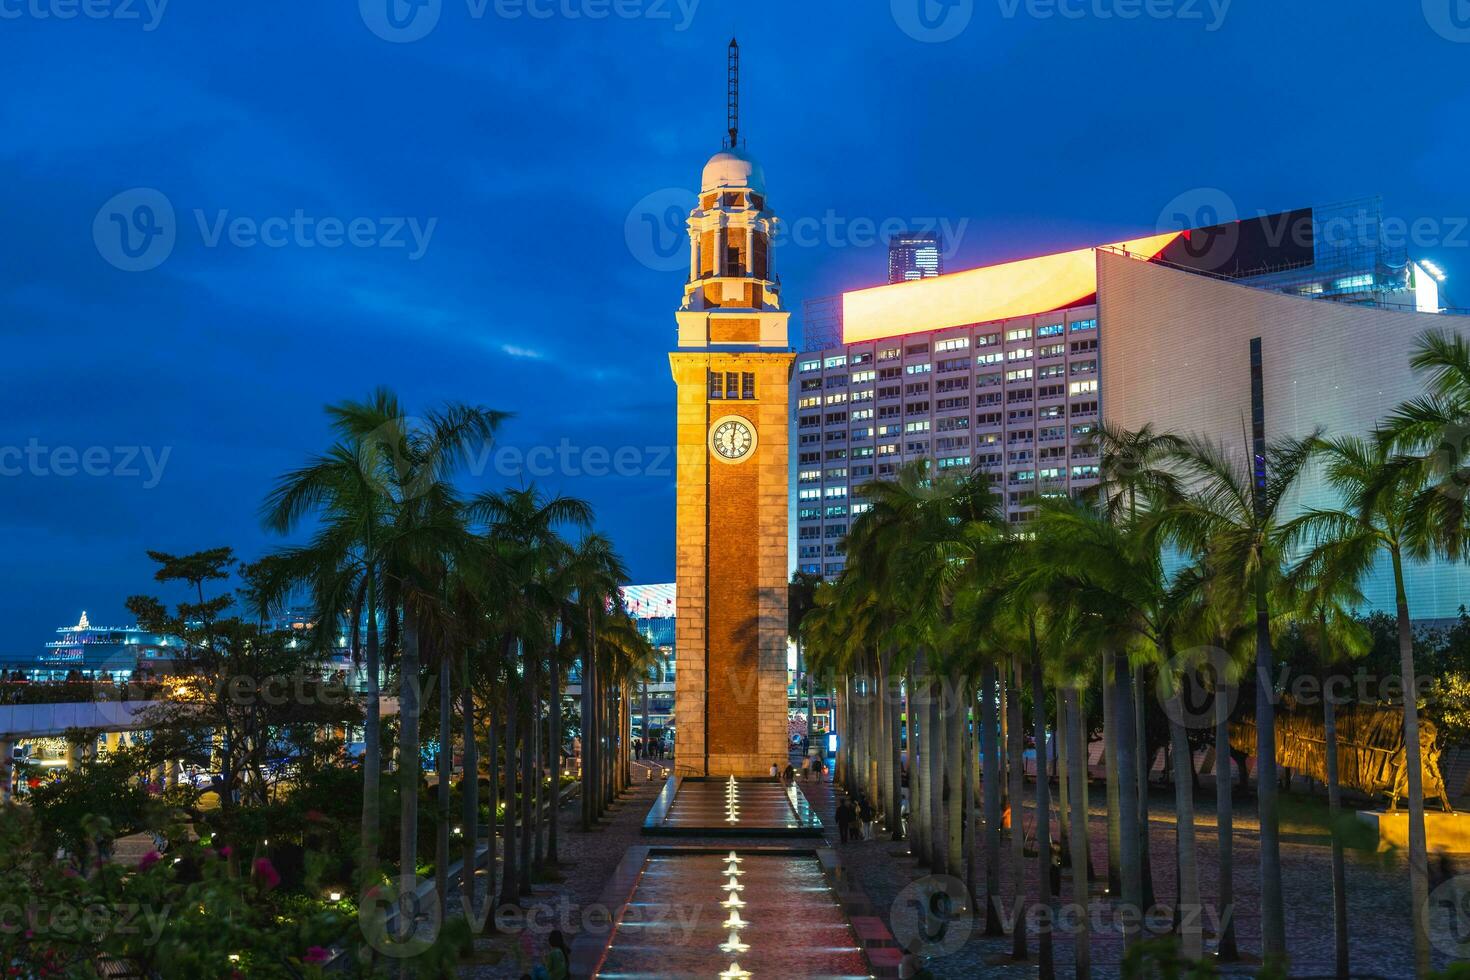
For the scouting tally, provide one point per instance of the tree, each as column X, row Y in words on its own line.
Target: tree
column 1231, row 516
column 1379, row 495
column 382, row 502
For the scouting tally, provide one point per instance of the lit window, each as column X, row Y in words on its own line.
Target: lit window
column 810, row 366
column 1083, row 387
column 1051, row 330
column 836, row 362
column 918, row 368
column 953, row 343
column 1024, row 333
column 1082, row 326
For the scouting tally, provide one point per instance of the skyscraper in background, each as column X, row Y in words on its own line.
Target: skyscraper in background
column 915, row 255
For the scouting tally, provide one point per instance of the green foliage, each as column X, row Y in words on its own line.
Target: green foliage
column 1161, row 959
column 107, row 789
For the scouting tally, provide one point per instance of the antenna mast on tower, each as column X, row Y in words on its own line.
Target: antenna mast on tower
column 733, row 117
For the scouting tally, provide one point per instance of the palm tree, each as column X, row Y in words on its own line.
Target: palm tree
column 1133, row 476
column 522, row 528
column 370, row 493
column 800, row 598
column 589, row 594
column 1231, row 516
column 1334, row 636
column 1380, row 494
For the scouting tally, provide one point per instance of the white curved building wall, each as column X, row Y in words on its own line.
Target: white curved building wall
column 1177, row 354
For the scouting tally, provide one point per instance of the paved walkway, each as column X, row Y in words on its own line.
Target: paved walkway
column 1378, row 905
column 1378, row 913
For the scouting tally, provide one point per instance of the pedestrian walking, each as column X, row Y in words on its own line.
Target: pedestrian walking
column 844, row 819
column 869, row 818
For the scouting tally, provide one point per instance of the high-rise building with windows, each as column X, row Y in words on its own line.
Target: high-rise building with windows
column 915, row 255
column 1004, row 370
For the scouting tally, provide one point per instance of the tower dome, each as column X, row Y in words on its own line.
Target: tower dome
column 733, row 169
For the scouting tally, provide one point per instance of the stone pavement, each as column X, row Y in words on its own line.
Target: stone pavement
column 1378, row 911
column 1377, row 886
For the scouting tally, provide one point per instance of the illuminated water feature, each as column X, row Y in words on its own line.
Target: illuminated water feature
column 679, row 921
column 727, row 807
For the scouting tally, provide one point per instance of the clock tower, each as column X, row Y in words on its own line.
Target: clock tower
column 733, row 372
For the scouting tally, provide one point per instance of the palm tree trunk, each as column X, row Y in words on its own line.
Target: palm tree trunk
column 445, row 761
column 1418, row 851
column 510, row 850
column 918, row 798
column 1064, row 776
column 1046, row 970
column 538, row 770
column 1145, row 765
column 1015, row 739
column 528, row 792
column 1128, row 803
column 881, row 739
column 1226, row 949
column 1190, row 910
column 954, row 777
column 1077, row 810
column 409, row 767
column 589, row 731
column 1334, row 809
column 892, row 690
column 557, row 734
column 1273, row 915
column 935, row 741
column 1110, row 764
column 470, row 806
column 990, row 754
column 492, row 804
column 372, row 751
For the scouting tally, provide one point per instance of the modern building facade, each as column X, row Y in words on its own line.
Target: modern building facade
column 1003, row 369
column 915, row 255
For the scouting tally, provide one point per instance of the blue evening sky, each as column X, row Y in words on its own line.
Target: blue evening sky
column 537, row 148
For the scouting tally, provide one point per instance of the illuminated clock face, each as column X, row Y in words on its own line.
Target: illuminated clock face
column 732, row 439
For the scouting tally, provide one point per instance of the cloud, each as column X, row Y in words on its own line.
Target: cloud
column 525, row 352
